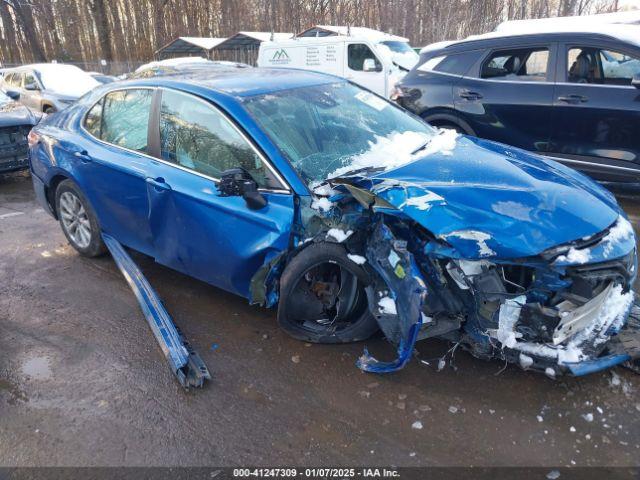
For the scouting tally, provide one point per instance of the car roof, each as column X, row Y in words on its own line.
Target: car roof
column 243, row 82
column 624, row 33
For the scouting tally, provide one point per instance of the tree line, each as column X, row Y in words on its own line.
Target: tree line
column 132, row 30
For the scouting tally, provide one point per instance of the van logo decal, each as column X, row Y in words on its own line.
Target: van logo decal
column 280, row 57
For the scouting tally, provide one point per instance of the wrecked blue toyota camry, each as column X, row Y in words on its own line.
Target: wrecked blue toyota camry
column 304, row 192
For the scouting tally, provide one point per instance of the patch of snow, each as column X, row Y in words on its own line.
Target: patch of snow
column 441, row 364
column 479, row 237
column 615, row 379
column 472, row 267
column 550, row 372
column 575, row 256
column 513, row 210
column 171, row 62
column 621, row 231
column 540, row 419
column 572, row 429
column 424, row 202
column 525, row 361
column 339, row 235
column 553, row 475
column 387, row 306
column 323, row 190
column 588, row 417
column 507, row 319
column 397, row 150
column 417, row 425
column 357, row 259
column 66, row 80
column 322, row 204
column 453, row 409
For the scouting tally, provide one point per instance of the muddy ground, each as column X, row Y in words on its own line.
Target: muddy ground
column 83, row 382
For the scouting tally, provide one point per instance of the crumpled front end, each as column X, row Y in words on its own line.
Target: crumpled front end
column 569, row 309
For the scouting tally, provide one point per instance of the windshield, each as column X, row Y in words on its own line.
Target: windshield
column 398, row 47
column 330, row 130
column 66, row 80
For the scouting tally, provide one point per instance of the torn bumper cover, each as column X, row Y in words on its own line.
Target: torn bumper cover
column 568, row 310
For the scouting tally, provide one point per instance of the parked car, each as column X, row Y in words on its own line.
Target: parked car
column 102, row 78
column 372, row 59
column 569, row 95
column 47, row 87
column 180, row 65
column 303, row 191
column 15, row 122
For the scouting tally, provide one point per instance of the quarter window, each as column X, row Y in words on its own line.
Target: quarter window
column 93, row 120
column 525, row 65
column 357, row 53
column 197, row 136
column 124, row 118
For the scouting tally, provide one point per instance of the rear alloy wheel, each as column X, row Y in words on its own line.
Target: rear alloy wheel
column 78, row 221
column 323, row 298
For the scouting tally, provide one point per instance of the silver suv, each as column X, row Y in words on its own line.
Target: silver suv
column 47, row 87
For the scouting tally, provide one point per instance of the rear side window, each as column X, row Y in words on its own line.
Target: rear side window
column 599, row 66
column 523, row 65
column 124, row 118
column 197, row 136
column 357, row 54
column 454, row 64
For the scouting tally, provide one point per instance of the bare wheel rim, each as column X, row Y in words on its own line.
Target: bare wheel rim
column 326, row 298
column 75, row 219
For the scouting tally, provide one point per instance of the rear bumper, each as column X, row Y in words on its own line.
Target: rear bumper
column 41, row 195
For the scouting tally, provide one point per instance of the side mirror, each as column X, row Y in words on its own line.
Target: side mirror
column 237, row 182
column 369, row 65
column 31, row 86
column 13, row 95
column 636, row 80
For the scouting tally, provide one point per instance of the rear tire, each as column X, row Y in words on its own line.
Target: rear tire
column 78, row 220
column 322, row 297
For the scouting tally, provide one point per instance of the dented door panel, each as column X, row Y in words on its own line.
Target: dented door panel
column 216, row 239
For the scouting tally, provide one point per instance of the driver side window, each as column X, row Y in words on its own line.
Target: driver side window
column 357, row 53
column 197, row 136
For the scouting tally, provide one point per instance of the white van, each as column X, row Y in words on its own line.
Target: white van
column 376, row 62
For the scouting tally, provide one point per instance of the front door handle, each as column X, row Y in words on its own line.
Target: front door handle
column 159, row 184
column 469, row 95
column 573, row 99
column 83, row 156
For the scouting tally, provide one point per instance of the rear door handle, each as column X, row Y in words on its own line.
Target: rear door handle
column 159, row 183
column 469, row 95
column 573, row 99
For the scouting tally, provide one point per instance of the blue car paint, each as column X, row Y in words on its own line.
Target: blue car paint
column 525, row 204
column 179, row 221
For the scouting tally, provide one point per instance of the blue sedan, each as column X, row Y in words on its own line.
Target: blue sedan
column 303, row 191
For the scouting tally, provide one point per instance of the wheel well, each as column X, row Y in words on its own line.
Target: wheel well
column 50, row 192
column 45, row 106
column 443, row 119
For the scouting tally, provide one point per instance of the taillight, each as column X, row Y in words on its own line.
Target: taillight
column 33, row 138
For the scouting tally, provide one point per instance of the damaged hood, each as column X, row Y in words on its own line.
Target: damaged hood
column 487, row 200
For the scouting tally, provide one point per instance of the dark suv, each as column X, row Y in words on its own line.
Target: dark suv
column 568, row 95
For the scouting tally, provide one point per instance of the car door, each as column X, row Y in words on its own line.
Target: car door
column 508, row 95
column 597, row 110
column 111, row 163
column 217, row 239
column 364, row 68
column 31, row 88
